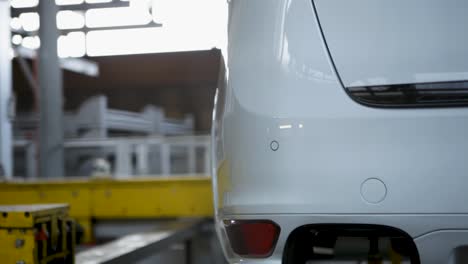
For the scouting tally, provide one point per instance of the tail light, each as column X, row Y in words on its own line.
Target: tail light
column 252, row 238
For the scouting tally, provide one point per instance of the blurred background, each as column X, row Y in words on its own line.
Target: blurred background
column 105, row 115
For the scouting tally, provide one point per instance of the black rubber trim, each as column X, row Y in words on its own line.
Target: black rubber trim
column 435, row 94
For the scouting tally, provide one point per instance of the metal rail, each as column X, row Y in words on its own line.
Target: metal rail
column 152, row 154
column 134, row 247
column 95, row 119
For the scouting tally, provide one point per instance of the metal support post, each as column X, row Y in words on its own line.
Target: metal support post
column 123, row 166
column 51, row 106
column 142, row 159
column 192, row 158
column 188, row 251
column 165, row 159
column 31, row 161
column 206, row 159
column 6, row 102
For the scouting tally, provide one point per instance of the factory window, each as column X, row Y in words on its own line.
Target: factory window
column 29, row 21
column 139, row 26
column 69, row 2
column 72, row 45
column 119, row 16
column 31, row 42
column 68, row 19
column 412, row 95
column 24, row 3
column 181, row 29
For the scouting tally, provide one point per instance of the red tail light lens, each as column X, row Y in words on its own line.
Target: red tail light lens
column 252, row 238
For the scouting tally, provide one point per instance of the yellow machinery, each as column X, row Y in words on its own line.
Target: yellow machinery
column 36, row 234
column 103, row 199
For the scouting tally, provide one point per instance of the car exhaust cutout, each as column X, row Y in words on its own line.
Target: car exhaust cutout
column 252, row 238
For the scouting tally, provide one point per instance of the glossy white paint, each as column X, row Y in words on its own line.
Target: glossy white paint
column 282, row 87
column 376, row 42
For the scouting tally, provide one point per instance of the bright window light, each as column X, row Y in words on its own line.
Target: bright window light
column 124, row 41
column 24, row 3
column 72, row 45
column 186, row 25
column 119, row 16
column 29, row 21
column 31, row 42
column 183, row 29
column 17, row 39
column 143, row 40
column 69, row 2
column 98, row 1
column 70, row 19
column 15, row 23
column 146, row 4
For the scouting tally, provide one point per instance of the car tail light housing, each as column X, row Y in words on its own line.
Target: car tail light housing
column 252, row 238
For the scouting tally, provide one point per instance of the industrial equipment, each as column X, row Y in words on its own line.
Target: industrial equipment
column 343, row 124
column 128, row 156
column 36, row 234
column 92, row 200
column 95, row 120
column 90, row 135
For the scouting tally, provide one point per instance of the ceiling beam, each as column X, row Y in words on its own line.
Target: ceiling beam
column 76, row 65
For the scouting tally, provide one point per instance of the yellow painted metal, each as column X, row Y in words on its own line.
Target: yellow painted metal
column 87, row 226
column 10, row 253
column 160, row 198
column 75, row 194
column 25, row 216
column 117, row 199
column 20, row 225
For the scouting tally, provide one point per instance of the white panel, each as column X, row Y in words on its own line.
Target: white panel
column 376, row 42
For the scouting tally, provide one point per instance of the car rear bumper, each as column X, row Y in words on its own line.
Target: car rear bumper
column 438, row 237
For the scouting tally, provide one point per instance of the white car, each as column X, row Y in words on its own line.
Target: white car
column 340, row 132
